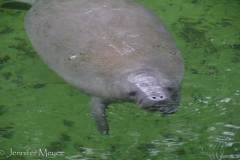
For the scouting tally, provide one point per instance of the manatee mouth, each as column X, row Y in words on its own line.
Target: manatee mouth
column 165, row 111
column 167, row 108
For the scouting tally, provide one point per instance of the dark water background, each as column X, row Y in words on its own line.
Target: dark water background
column 39, row 112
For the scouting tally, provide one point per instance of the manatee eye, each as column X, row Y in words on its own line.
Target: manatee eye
column 132, row 93
column 170, row 89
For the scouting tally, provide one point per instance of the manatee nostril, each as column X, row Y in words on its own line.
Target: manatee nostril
column 158, row 98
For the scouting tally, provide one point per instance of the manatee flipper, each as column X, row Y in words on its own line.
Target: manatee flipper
column 31, row 2
column 18, row 4
column 98, row 111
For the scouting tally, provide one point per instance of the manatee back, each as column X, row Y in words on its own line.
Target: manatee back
column 90, row 42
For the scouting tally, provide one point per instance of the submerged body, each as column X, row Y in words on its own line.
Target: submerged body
column 113, row 50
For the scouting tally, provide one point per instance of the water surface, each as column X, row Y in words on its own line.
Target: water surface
column 39, row 112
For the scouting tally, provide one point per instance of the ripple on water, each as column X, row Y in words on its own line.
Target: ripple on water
column 223, row 142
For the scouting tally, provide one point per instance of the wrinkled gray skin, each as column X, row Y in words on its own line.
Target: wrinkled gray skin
column 113, row 50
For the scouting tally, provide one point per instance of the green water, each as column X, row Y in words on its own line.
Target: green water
column 39, row 112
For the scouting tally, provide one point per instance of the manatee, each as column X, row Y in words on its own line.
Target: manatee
column 112, row 50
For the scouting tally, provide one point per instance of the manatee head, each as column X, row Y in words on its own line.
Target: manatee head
column 153, row 91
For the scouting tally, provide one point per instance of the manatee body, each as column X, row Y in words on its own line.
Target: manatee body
column 113, row 50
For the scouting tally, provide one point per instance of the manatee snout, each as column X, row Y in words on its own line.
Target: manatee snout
column 160, row 102
column 157, row 97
